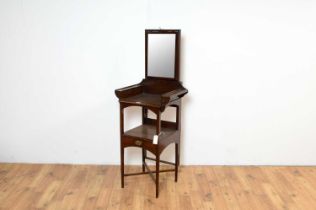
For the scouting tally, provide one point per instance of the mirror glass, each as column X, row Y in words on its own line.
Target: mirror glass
column 161, row 55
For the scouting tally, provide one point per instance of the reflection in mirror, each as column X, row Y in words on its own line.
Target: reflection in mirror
column 161, row 55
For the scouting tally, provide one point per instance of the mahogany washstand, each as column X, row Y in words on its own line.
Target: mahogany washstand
column 160, row 88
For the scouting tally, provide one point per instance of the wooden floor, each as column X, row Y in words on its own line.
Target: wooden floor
column 60, row 187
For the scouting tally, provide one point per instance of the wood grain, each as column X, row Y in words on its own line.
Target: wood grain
column 63, row 187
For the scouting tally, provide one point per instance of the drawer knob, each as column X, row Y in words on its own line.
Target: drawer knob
column 138, row 142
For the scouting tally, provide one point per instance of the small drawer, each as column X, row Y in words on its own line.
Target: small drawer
column 129, row 141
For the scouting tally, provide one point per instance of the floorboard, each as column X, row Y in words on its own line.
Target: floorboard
column 75, row 187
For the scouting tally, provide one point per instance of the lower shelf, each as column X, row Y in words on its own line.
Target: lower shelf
column 146, row 132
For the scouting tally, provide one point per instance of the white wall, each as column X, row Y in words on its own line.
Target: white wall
column 249, row 66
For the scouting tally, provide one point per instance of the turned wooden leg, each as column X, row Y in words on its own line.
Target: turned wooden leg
column 157, row 175
column 177, row 162
column 122, row 167
column 143, row 158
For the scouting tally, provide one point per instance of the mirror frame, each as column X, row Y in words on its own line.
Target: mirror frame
column 177, row 33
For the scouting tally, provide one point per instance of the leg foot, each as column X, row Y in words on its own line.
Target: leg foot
column 157, row 175
column 177, row 162
column 122, row 167
column 143, row 158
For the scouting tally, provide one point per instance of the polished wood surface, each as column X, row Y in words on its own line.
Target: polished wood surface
column 152, row 100
column 63, row 187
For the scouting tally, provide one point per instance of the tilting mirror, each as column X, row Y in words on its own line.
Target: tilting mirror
column 162, row 49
